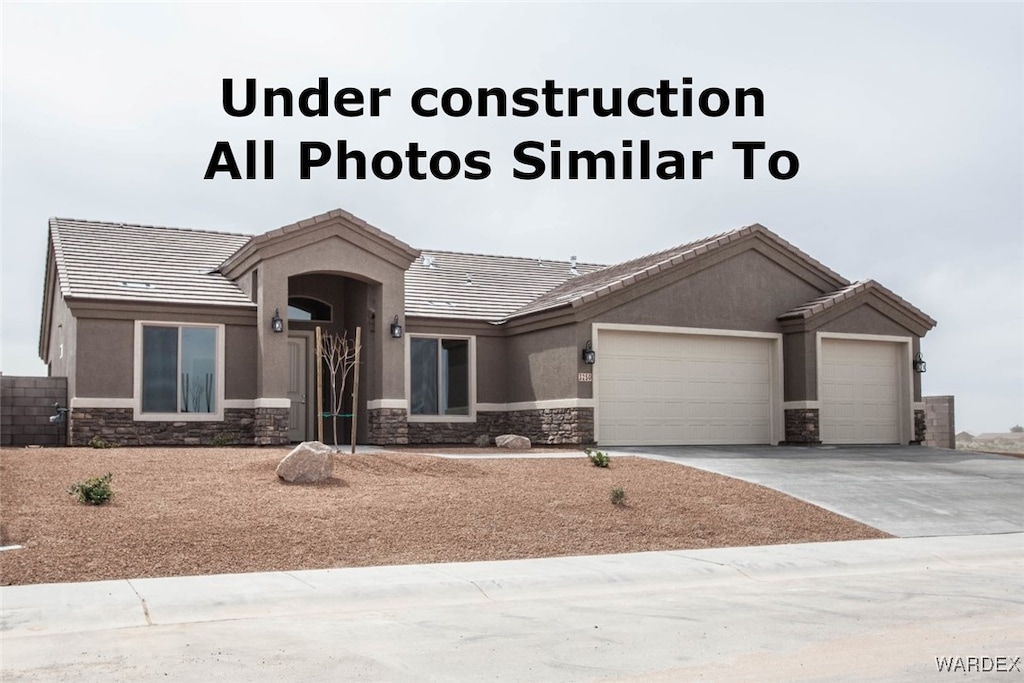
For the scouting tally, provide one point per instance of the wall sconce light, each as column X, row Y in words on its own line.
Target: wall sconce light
column 276, row 324
column 919, row 364
column 589, row 355
column 396, row 329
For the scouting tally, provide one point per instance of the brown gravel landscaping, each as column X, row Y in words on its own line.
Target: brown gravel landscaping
column 180, row 511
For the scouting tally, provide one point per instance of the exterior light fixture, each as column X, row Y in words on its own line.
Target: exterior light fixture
column 276, row 324
column 589, row 355
column 396, row 329
column 919, row 364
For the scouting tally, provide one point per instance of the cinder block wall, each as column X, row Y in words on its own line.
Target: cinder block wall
column 938, row 415
column 26, row 404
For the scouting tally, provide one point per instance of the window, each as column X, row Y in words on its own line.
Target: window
column 439, row 376
column 312, row 310
column 179, row 370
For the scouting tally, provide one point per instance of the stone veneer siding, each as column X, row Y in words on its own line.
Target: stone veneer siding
column 550, row 426
column 271, row 426
column 117, row 426
column 920, row 427
column 802, row 426
column 387, row 427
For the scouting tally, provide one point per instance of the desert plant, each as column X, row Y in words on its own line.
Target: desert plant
column 94, row 491
column 618, row 496
column 224, row 440
column 597, row 458
column 100, row 442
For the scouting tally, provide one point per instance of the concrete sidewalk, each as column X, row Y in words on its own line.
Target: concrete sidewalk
column 880, row 608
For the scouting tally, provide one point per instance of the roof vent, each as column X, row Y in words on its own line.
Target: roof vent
column 572, row 267
column 135, row 284
column 428, row 262
column 469, row 279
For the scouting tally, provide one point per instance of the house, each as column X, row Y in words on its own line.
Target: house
column 167, row 336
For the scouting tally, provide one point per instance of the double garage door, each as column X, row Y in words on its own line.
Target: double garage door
column 686, row 389
column 662, row 388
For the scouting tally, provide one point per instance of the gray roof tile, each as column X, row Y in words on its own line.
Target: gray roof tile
column 500, row 284
column 117, row 261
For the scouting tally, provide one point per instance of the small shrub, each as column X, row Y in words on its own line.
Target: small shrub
column 94, row 491
column 100, row 442
column 597, row 458
column 224, row 440
column 618, row 496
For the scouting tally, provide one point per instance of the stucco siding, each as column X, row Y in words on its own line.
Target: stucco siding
column 106, row 357
column 744, row 292
column 63, row 349
column 240, row 362
column 800, row 367
column 865, row 319
column 542, row 365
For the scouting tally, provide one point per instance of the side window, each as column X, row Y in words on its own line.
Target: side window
column 439, row 376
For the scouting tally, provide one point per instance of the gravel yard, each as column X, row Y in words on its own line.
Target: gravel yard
column 180, row 511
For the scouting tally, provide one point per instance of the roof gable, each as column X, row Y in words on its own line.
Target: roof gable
column 336, row 223
column 596, row 285
column 853, row 295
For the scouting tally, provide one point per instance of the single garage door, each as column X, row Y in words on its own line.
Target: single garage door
column 681, row 389
column 860, row 391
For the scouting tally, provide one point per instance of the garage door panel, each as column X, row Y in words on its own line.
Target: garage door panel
column 860, row 391
column 683, row 389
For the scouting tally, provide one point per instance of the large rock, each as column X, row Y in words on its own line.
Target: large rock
column 308, row 463
column 513, row 442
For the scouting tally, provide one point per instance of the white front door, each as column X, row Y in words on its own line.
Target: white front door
column 297, row 349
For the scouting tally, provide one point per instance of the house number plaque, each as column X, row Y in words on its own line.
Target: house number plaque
column 586, row 377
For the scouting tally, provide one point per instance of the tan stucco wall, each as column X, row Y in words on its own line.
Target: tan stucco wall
column 865, row 319
column 542, row 365
column 745, row 292
column 63, row 330
column 239, row 362
column 106, row 365
column 107, row 357
column 385, row 295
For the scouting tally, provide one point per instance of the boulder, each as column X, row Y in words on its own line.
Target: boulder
column 482, row 441
column 513, row 442
column 308, row 463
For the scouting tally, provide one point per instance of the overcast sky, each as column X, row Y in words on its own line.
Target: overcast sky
column 907, row 120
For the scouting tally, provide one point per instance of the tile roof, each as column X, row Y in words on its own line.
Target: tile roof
column 479, row 287
column 597, row 284
column 117, row 261
column 821, row 304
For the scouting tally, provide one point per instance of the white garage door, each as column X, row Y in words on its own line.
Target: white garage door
column 679, row 389
column 860, row 391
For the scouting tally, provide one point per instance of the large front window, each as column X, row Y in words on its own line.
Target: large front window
column 179, row 369
column 439, row 376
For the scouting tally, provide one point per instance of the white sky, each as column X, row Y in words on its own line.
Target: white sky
column 908, row 121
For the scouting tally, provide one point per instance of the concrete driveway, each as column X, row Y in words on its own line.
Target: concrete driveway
column 906, row 491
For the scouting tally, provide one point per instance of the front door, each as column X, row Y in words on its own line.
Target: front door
column 297, row 350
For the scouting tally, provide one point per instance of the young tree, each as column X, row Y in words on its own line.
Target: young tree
column 340, row 354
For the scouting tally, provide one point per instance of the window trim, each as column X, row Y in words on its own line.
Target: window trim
column 471, row 417
column 218, row 414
